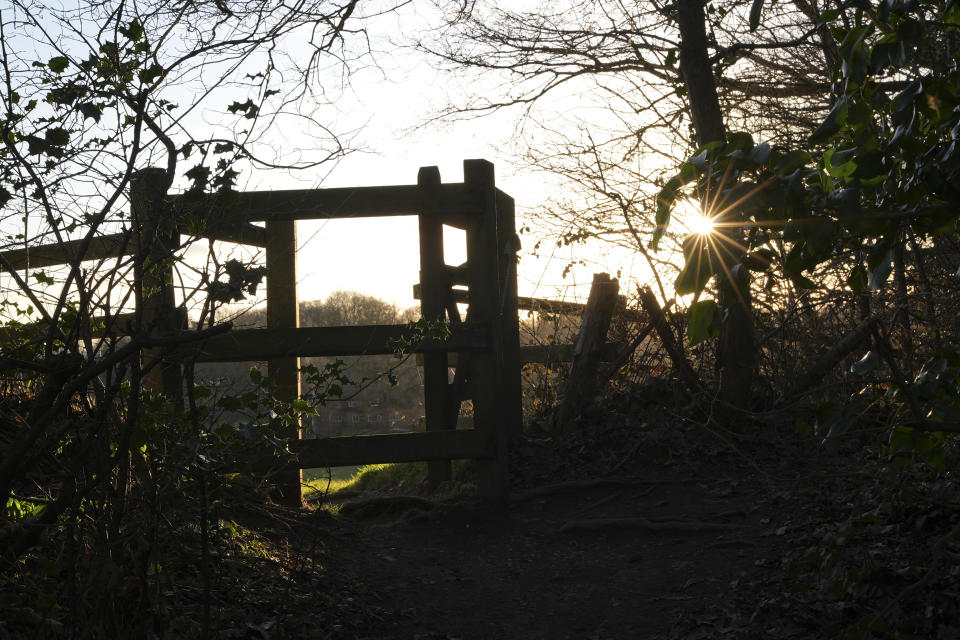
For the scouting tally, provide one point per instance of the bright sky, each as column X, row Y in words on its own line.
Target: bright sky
column 383, row 106
column 380, row 256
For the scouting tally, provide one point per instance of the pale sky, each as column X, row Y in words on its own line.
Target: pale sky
column 384, row 108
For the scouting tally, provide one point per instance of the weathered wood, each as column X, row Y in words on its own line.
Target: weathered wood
column 541, row 305
column 484, row 298
column 433, row 286
column 550, row 353
column 49, row 255
column 508, row 248
column 283, row 314
column 313, row 342
column 581, row 384
column 448, row 444
column 246, row 233
column 451, row 201
column 153, row 243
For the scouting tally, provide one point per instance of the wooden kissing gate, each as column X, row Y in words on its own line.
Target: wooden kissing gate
column 487, row 338
column 485, row 342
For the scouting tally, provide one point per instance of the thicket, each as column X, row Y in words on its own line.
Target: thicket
column 839, row 238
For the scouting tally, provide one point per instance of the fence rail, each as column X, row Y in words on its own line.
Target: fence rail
column 484, row 344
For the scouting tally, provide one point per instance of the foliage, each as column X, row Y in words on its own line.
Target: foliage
column 879, row 172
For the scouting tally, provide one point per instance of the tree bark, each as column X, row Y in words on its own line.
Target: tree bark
column 735, row 353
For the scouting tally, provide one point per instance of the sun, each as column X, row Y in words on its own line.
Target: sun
column 692, row 218
column 700, row 224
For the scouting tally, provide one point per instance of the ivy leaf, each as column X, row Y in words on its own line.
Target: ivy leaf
column 701, row 323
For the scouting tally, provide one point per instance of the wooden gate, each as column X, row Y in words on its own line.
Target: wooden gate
column 485, row 340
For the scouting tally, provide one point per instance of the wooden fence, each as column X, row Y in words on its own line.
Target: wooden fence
column 485, row 340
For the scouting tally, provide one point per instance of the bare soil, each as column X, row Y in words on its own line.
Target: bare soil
column 647, row 525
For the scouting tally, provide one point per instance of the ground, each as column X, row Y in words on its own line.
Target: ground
column 644, row 525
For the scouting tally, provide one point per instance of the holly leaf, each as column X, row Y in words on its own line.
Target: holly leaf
column 58, row 64
column 701, row 321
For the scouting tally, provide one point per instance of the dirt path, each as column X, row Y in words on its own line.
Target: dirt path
column 661, row 544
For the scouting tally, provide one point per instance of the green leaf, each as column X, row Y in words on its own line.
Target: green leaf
column 881, row 264
column 90, row 110
column 42, row 277
column 701, row 321
column 58, row 64
column 832, row 123
column 57, row 137
column 801, row 281
column 792, row 161
column 738, row 140
column 135, row 31
column 755, row 10
column 857, row 280
column 866, row 364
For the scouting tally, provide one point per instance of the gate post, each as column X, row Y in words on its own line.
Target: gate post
column 154, row 239
column 508, row 247
column 283, row 312
column 491, row 392
column 433, row 293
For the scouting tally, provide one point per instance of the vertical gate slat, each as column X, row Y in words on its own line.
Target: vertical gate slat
column 283, row 312
column 508, row 245
column 153, row 272
column 433, row 306
column 489, row 391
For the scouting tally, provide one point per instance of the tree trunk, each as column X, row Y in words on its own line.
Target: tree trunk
column 735, row 353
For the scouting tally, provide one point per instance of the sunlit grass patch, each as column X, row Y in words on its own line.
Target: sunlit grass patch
column 404, row 477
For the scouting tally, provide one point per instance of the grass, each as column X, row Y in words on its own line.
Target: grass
column 404, row 477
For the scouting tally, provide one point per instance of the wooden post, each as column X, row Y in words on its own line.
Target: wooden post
column 508, row 243
column 489, row 391
column 154, row 240
column 582, row 381
column 433, row 295
column 283, row 312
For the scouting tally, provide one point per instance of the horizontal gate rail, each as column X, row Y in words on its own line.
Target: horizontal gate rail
column 347, row 202
column 310, row 342
column 394, row 447
column 49, row 255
